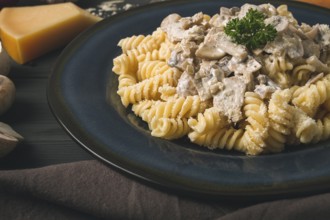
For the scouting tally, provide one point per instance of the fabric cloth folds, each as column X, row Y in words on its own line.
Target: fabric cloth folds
column 92, row 190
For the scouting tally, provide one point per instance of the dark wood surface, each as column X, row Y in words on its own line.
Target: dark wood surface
column 45, row 142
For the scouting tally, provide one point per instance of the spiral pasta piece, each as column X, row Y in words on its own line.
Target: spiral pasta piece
column 167, row 92
column 126, row 80
column 277, row 64
column 278, row 68
column 280, row 120
column 126, row 63
column 192, row 106
column 256, row 131
column 181, row 107
column 130, row 43
column 207, row 121
column 141, row 43
column 165, row 51
column 304, row 127
column 149, row 56
column 148, row 69
column 170, row 128
column 146, row 89
column 224, row 138
column 162, row 54
column 302, row 73
column 284, row 80
column 310, row 97
column 142, row 106
column 323, row 129
column 149, row 44
column 159, row 35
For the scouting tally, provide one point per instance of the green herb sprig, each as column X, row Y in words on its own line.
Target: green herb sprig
column 251, row 30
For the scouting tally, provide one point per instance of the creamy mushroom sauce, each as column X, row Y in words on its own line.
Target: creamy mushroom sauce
column 218, row 69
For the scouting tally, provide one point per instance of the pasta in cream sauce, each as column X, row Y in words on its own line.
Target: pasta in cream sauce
column 188, row 78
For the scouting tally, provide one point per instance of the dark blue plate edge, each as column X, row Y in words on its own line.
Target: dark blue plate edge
column 65, row 119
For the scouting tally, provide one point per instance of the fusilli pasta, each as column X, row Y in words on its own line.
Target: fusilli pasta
column 170, row 128
column 224, row 138
column 181, row 81
column 148, row 69
column 302, row 73
column 280, row 120
column 310, row 97
column 256, row 131
column 210, row 120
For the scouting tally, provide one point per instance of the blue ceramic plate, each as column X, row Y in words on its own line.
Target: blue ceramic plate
column 99, row 123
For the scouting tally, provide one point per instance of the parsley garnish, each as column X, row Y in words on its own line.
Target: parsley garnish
column 251, row 30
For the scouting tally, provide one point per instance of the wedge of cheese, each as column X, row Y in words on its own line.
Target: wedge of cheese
column 29, row 32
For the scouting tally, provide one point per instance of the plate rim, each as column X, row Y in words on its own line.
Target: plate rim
column 54, row 98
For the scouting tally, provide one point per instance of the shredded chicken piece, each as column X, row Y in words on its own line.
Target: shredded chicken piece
column 230, row 100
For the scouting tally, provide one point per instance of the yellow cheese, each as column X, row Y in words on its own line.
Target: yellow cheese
column 29, row 32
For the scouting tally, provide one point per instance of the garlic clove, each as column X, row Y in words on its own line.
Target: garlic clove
column 8, row 139
column 7, row 93
column 9, row 131
column 7, row 144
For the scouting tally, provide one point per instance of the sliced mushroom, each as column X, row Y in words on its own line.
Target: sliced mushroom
column 268, row 9
column 291, row 44
column 312, row 34
column 209, row 49
column 225, row 44
column 178, row 28
column 311, row 48
column 280, row 23
column 173, row 27
column 208, row 52
column 225, row 15
column 245, row 8
column 320, row 67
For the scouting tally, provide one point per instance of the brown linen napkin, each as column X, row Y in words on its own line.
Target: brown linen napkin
column 92, row 190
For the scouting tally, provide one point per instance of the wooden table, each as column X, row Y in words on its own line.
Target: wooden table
column 45, row 142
